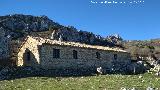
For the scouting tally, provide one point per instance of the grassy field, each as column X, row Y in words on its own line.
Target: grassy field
column 103, row 82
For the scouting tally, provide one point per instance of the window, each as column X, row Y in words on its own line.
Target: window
column 98, row 56
column 28, row 56
column 56, row 53
column 115, row 56
column 75, row 54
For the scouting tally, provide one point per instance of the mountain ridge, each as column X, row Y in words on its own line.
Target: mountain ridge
column 19, row 25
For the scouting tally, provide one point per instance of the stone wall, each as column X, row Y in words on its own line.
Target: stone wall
column 86, row 58
column 31, row 45
column 41, row 54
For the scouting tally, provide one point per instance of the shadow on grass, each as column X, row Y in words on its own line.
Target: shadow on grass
column 24, row 72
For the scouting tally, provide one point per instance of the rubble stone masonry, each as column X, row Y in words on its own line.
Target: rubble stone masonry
column 41, row 54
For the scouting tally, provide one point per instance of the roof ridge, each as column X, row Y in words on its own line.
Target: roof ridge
column 76, row 44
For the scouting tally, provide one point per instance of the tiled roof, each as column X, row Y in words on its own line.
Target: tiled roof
column 75, row 44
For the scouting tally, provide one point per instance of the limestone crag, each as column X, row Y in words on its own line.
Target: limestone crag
column 116, row 39
column 17, row 25
column 72, row 35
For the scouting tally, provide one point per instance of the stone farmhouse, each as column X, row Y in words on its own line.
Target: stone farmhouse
column 52, row 54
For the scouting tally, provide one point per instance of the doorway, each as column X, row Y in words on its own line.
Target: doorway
column 27, row 58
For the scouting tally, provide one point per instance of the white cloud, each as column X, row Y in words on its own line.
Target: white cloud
column 101, row 2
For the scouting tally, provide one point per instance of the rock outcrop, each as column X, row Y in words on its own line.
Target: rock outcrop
column 17, row 25
column 4, row 44
column 73, row 35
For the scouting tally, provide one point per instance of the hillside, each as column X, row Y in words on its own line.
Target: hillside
column 18, row 25
column 145, row 50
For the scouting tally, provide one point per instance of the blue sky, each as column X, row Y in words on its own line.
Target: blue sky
column 132, row 21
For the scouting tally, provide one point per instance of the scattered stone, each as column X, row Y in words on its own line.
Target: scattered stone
column 133, row 88
column 140, row 77
column 150, row 88
column 157, row 74
column 142, row 81
column 123, row 88
column 99, row 71
column 82, row 77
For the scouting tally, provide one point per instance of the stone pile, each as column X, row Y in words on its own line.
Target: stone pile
column 156, row 69
column 138, row 67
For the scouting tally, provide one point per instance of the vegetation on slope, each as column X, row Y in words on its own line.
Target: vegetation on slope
column 146, row 48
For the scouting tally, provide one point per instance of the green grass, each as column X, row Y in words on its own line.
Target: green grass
column 103, row 82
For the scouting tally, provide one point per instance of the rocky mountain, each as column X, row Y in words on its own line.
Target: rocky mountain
column 19, row 25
